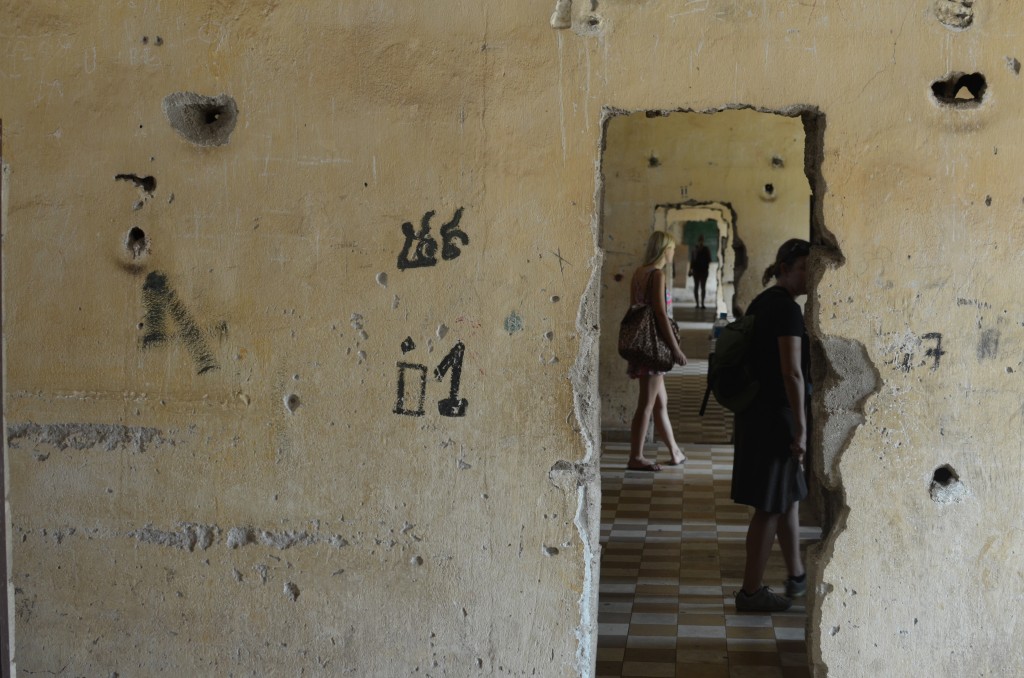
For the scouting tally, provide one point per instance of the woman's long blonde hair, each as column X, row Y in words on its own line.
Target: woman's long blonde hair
column 656, row 246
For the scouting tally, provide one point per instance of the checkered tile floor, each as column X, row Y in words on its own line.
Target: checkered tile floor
column 672, row 558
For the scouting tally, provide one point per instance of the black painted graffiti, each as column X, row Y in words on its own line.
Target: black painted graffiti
column 420, row 247
column 410, row 375
column 160, row 301
column 907, row 352
column 936, row 351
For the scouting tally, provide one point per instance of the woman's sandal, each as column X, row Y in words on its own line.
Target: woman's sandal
column 652, row 467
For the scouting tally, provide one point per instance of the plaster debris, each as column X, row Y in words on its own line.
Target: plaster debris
column 382, row 279
column 189, row 536
column 291, row 591
column 956, row 14
column 107, row 437
column 202, row 120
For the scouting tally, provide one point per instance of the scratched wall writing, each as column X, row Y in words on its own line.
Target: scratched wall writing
column 160, row 303
column 412, row 383
column 420, row 248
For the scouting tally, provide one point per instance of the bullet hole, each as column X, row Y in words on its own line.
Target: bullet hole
column 617, row 277
column 159, row 41
column 366, row 184
column 777, row 162
column 946, row 487
column 136, row 242
column 555, row 299
column 768, row 192
column 1013, row 64
column 202, row 120
column 988, row 201
column 956, row 14
column 416, row 560
column 550, row 551
column 382, row 279
column 147, row 184
column 291, row 591
column 291, row 403
column 549, row 335
column 593, row 21
column 962, row 90
column 145, row 40
column 143, row 326
column 653, row 161
column 769, row 189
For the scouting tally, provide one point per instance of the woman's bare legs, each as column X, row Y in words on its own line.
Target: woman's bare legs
column 789, row 539
column 646, row 401
column 663, row 426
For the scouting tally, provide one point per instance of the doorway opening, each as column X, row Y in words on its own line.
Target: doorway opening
column 672, row 540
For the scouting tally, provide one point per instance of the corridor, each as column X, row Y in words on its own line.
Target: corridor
column 673, row 550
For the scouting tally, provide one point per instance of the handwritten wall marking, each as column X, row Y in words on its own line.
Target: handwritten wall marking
column 420, row 248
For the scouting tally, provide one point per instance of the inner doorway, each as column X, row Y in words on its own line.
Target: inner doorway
column 672, row 541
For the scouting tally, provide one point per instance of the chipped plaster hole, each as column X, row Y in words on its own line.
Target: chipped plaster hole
column 382, row 279
column 653, row 161
column 960, row 89
column 562, row 16
column 550, row 551
column 291, row 403
column 549, row 335
column 202, row 120
column 956, row 14
column 778, row 162
column 291, row 591
column 416, row 561
column 946, row 487
column 1013, row 64
column 768, row 192
column 136, row 242
column 555, row 299
column 147, row 184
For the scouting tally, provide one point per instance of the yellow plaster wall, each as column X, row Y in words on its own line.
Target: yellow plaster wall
column 429, row 542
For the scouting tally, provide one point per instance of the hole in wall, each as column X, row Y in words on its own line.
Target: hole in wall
column 955, row 14
column 291, row 403
column 202, row 120
column 946, row 487
column 960, row 90
column 136, row 242
column 147, row 184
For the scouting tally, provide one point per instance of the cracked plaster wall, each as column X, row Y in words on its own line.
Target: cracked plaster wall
column 355, row 119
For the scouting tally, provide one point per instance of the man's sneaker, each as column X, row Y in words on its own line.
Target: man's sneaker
column 762, row 601
column 795, row 588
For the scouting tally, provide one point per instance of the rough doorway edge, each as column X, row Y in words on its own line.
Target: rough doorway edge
column 584, row 372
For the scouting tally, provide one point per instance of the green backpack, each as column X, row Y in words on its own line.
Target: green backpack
column 733, row 376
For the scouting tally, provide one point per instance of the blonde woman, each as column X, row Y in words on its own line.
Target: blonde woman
column 648, row 287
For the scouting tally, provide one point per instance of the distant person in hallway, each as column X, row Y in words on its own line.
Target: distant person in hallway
column 648, row 287
column 699, row 268
column 771, row 435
